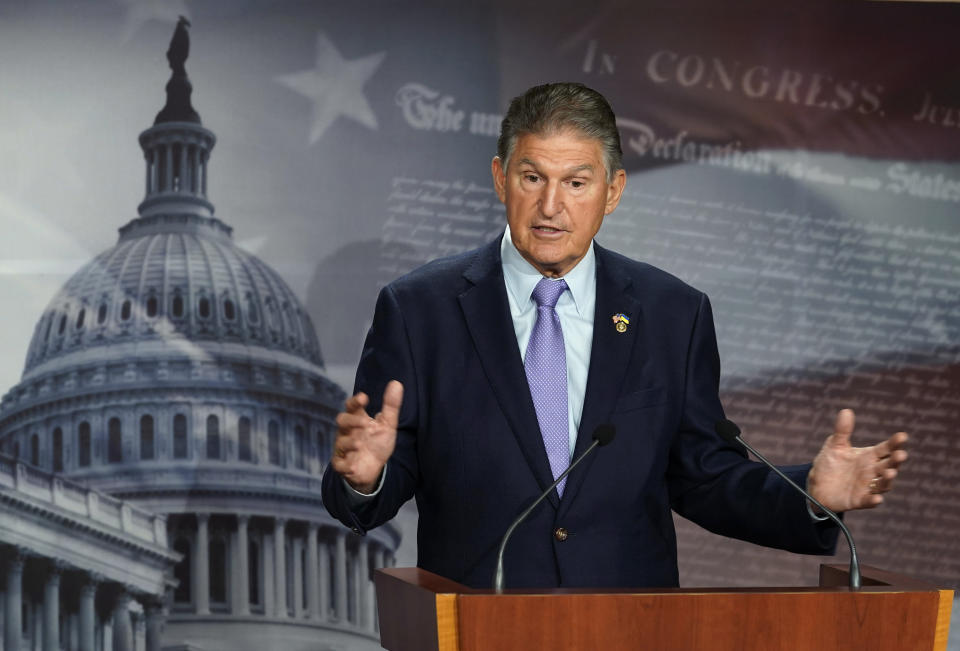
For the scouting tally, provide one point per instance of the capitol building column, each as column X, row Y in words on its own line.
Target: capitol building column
column 313, row 573
column 51, row 607
column 361, row 584
column 279, row 568
column 12, row 622
column 241, row 591
column 324, row 580
column 201, row 584
column 267, row 561
column 153, row 611
column 340, row 576
column 296, row 548
column 88, row 613
column 122, row 625
column 138, row 628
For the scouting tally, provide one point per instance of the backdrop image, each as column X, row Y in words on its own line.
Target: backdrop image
column 194, row 233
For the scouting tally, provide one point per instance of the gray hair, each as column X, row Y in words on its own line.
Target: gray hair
column 552, row 108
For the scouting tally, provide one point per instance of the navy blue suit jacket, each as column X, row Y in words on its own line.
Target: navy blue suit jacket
column 469, row 446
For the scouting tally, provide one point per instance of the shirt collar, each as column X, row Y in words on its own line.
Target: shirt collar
column 521, row 277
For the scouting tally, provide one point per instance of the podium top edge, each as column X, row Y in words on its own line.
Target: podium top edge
column 875, row 581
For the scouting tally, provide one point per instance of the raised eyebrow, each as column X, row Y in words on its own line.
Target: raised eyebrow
column 586, row 167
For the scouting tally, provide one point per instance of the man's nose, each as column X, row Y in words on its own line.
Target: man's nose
column 551, row 200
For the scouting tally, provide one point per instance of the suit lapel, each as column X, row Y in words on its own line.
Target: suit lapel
column 610, row 356
column 487, row 313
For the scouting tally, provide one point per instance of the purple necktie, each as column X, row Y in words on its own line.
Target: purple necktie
column 546, row 366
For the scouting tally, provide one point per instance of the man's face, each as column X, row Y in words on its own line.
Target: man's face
column 556, row 193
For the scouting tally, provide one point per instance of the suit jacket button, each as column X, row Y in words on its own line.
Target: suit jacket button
column 560, row 534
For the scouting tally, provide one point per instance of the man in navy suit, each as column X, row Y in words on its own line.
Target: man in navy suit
column 461, row 424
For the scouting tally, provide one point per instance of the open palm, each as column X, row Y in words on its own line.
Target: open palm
column 845, row 478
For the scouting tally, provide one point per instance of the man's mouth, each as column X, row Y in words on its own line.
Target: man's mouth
column 547, row 229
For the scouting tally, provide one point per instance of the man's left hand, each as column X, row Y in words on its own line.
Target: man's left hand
column 845, row 478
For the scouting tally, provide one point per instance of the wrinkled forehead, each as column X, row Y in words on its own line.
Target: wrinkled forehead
column 569, row 149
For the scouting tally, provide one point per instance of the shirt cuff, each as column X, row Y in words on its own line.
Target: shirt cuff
column 355, row 498
column 813, row 516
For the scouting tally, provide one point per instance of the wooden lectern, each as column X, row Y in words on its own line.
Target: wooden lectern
column 420, row 611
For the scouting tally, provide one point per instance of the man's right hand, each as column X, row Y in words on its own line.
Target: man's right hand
column 364, row 444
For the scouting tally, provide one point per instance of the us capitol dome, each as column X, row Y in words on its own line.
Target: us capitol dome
column 180, row 373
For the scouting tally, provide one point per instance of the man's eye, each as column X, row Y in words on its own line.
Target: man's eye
column 532, row 178
column 577, row 184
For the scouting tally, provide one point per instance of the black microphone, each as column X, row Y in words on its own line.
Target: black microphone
column 602, row 435
column 729, row 432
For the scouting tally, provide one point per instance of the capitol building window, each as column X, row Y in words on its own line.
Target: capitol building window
column 176, row 305
column 179, row 436
column 229, row 311
column 213, row 437
column 115, row 441
column 203, row 307
column 146, row 437
column 244, row 450
column 273, row 443
column 57, row 450
column 83, row 444
column 151, row 306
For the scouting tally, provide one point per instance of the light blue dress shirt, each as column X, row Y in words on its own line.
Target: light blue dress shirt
column 575, row 309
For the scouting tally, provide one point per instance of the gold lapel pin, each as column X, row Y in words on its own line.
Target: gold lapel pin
column 620, row 322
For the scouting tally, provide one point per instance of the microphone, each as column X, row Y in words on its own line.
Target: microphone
column 602, row 435
column 729, row 432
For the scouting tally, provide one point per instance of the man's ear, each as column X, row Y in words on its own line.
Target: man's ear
column 615, row 191
column 499, row 178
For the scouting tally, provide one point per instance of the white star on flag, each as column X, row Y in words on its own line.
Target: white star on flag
column 335, row 86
